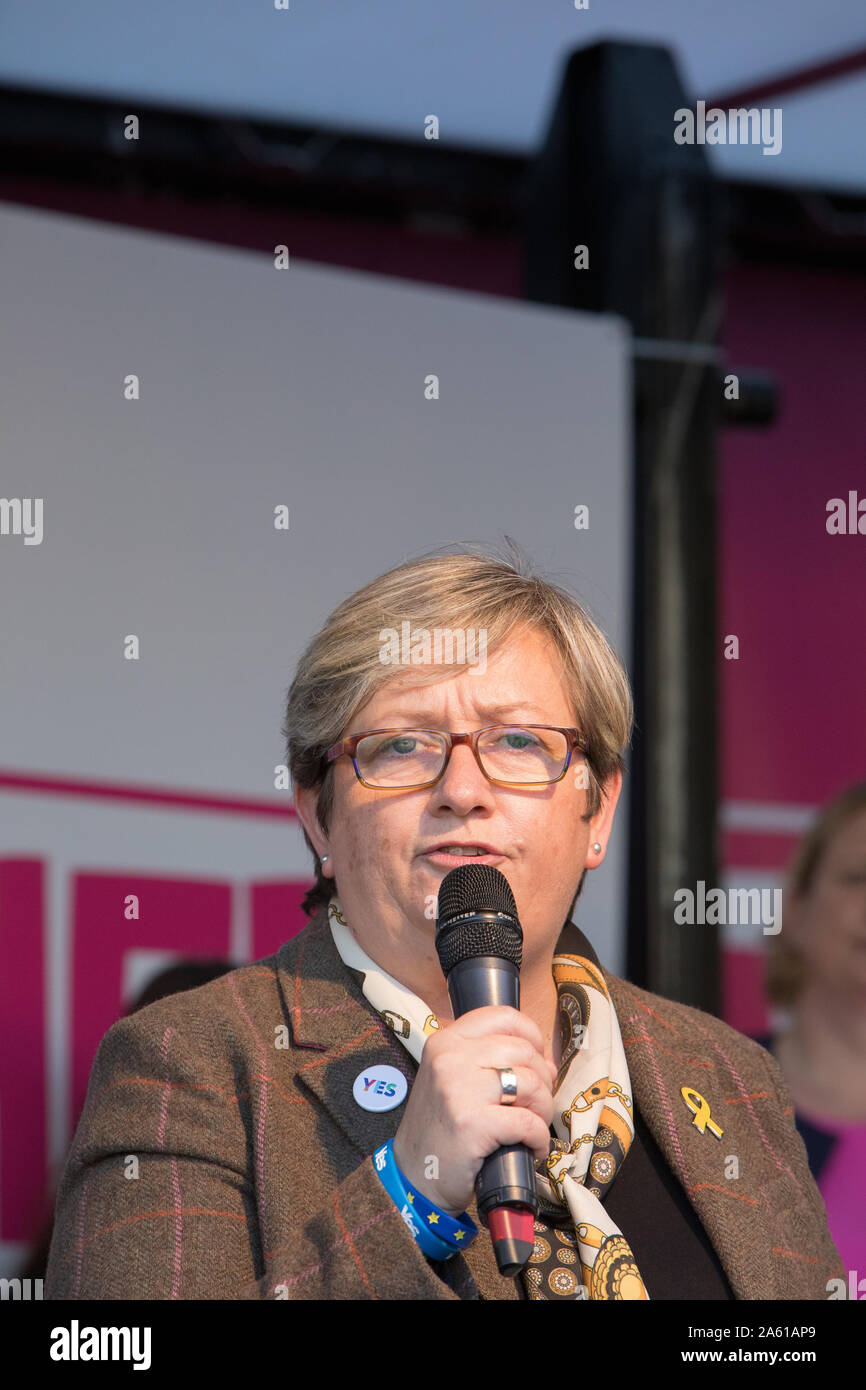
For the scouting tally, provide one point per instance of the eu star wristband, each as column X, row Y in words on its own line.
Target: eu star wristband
column 440, row 1237
column 456, row 1231
column 392, row 1180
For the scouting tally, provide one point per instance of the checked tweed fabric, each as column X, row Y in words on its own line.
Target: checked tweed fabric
column 255, row 1177
column 593, row 1122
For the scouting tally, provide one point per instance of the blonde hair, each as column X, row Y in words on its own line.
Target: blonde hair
column 340, row 669
column 785, row 966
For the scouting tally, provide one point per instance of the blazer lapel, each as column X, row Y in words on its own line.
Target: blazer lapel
column 661, row 1061
column 340, row 1035
column 343, row 1035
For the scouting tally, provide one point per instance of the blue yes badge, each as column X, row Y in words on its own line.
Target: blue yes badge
column 380, row 1088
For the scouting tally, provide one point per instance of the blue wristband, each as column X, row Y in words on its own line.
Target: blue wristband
column 392, row 1180
column 456, row 1231
column 416, row 1210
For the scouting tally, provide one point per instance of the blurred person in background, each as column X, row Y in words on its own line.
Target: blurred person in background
column 816, row 979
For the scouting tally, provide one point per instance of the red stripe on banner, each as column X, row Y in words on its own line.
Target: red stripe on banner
column 746, row 849
column 128, row 791
column 23, row 1137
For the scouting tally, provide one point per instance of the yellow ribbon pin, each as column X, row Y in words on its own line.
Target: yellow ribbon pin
column 701, row 1111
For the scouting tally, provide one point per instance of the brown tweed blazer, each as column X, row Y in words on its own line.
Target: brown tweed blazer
column 220, row 1153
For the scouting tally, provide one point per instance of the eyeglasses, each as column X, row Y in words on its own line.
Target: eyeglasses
column 509, row 755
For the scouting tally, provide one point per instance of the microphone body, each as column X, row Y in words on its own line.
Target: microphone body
column 507, row 1176
column 479, row 942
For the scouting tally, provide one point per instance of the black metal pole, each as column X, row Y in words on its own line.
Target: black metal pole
column 611, row 177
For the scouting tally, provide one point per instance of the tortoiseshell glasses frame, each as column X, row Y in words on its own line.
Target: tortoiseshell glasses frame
column 349, row 747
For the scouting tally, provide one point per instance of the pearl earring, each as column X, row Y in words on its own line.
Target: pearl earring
column 324, row 858
column 597, row 848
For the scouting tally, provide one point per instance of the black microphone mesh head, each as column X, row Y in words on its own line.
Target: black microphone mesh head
column 478, row 889
column 475, row 888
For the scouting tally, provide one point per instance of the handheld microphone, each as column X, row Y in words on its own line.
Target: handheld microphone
column 479, row 941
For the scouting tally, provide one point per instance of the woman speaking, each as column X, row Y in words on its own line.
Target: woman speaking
column 311, row 1125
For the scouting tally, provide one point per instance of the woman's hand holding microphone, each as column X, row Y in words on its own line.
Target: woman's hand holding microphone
column 454, row 1112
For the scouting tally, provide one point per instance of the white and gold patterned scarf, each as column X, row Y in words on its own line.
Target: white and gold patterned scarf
column 593, row 1123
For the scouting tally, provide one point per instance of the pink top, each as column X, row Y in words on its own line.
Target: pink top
column 841, row 1184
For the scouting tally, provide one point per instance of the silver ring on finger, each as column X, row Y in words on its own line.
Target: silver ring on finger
column 507, row 1085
